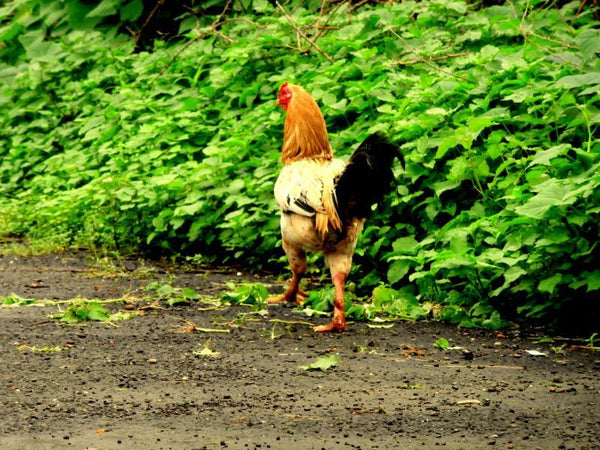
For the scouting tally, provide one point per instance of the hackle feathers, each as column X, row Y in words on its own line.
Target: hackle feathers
column 304, row 131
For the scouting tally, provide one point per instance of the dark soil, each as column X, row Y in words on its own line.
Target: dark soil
column 137, row 383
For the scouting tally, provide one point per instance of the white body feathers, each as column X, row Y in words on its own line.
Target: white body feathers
column 307, row 188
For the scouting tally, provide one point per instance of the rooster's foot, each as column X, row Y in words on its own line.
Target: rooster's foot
column 290, row 297
column 335, row 325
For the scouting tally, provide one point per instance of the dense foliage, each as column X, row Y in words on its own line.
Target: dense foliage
column 176, row 147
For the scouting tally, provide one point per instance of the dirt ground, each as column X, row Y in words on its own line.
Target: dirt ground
column 137, row 383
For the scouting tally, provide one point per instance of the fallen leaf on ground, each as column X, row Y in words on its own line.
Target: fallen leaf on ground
column 206, row 351
column 409, row 350
column 323, row 363
column 535, row 353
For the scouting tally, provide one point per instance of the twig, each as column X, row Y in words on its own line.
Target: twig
column 433, row 58
column 356, row 6
column 330, row 13
column 526, row 32
column 555, row 55
column 159, row 3
column 512, row 5
column 580, row 7
column 243, row 19
column 218, row 19
column 212, row 28
column 596, row 11
column 192, row 328
column 319, row 18
column 539, row 36
column 423, row 60
column 300, row 33
column 525, row 11
column 223, row 36
column 153, row 305
column 292, row 322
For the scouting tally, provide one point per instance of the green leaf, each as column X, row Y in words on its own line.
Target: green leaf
column 248, row 293
column 323, row 364
column 589, row 43
column 15, row 300
column 397, row 270
column 132, row 10
column 350, row 32
column 164, row 290
column 97, row 312
column 545, row 156
column 260, row 5
column 549, row 284
column 407, row 244
column 574, row 81
column 83, row 311
column 189, row 293
column 552, row 193
column 592, row 279
column 442, row 344
column 104, row 8
column 443, row 186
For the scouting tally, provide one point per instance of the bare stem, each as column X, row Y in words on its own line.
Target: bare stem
column 433, row 58
column 218, row 21
column 301, row 33
column 159, row 3
column 423, row 60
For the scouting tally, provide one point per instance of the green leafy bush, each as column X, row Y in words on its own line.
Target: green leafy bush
column 176, row 149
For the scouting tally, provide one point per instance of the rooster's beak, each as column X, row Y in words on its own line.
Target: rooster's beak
column 278, row 103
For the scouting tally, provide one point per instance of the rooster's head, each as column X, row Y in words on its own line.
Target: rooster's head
column 285, row 95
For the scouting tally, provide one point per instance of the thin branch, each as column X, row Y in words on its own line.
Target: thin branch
column 357, row 5
column 580, row 7
column 514, row 8
column 243, row 19
column 330, row 13
column 223, row 36
column 317, row 23
column 433, row 58
column 300, row 33
column 525, row 11
column 555, row 55
column 159, row 3
column 211, row 29
column 218, row 19
column 525, row 31
column 423, row 60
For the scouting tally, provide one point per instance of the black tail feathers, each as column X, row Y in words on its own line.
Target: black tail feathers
column 367, row 177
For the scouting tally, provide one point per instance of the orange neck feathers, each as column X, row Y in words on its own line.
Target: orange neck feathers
column 304, row 131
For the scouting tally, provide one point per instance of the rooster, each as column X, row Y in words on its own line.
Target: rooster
column 323, row 201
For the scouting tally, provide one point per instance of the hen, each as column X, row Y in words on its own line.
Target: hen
column 323, row 201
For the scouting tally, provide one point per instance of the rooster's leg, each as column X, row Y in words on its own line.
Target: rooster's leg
column 339, row 316
column 293, row 294
column 297, row 259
